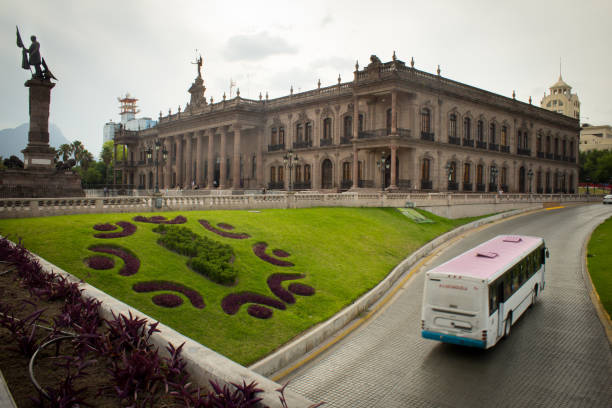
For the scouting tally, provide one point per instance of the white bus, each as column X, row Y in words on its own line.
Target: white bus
column 474, row 298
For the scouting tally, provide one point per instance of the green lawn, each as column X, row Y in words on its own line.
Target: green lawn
column 599, row 260
column 343, row 252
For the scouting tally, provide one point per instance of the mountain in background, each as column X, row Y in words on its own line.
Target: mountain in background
column 13, row 141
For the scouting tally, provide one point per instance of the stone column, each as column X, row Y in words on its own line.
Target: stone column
column 199, row 157
column 355, row 166
column 393, row 114
column 355, row 118
column 236, row 159
column 222, row 154
column 179, row 160
column 260, row 163
column 316, row 171
column 188, row 161
column 37, row 153
column 393, row 185
column 211, row 159
column 167, row 143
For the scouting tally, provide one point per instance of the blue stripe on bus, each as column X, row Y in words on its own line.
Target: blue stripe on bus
column 449, row 338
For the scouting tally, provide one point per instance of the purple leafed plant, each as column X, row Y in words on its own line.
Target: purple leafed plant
column 260, row 250
column 167, row 300
column 232, row 235
column 128, row 229
column 280, row 253
column 275, row 284
column 260, row 312
column 131, row 262
column 155, row 286
column 225, row 226
column 301, row 289
column 160, row 219
column 100, row 262
column 231, row 303
column 104, row 227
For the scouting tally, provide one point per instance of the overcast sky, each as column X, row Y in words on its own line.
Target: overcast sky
column 100, row 50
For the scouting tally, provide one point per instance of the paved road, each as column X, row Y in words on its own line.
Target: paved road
column 557, row 355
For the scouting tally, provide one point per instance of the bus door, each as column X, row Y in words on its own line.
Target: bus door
column 501, row 309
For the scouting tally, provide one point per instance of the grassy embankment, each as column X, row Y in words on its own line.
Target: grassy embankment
column 599, row 261
column 343, row 252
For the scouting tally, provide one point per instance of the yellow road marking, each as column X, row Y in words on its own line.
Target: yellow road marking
column 554, row 208
column 361, row 320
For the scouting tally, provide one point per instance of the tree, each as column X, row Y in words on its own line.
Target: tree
column 596, row 166
column 86, row 159
column 65, row 150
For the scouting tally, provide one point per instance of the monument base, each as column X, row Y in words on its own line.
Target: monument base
column 39, row 183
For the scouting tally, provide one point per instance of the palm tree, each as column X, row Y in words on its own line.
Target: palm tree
column 86, row 159
column 65, row 151
column 77, row 150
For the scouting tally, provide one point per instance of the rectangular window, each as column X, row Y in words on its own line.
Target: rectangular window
column 346, row 171
column 466, row 173
column 281, row 135
column 308, row 133
column 273, row 137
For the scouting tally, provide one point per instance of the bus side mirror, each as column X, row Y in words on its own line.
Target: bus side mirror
column 547, row 254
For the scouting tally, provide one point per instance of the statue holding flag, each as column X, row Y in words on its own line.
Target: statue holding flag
column 34, row 58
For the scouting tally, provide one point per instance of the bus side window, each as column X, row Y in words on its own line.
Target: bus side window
column 515, row 278
column 508, row 286
column 542, row 255
column 493, row 301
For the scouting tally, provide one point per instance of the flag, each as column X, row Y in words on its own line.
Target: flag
column 25, row 64
column 19, row 42
column 47, row 71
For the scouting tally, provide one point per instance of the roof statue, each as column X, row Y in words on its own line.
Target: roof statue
column 31, row 57
column 198, row 62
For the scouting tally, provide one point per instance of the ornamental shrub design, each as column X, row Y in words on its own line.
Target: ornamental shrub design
column 260, row 250
column 260, row 312
column 207, row 257
column 225, row 226
column 275, row 284
column 155, row 286
column 100, row 262
column 301, row 289
column 167, row 300
column 232, row 302
column 160, row 219
column 232, row 235
column 280, row 253
column 131, row 262
column 128, row 229
column 105, row 227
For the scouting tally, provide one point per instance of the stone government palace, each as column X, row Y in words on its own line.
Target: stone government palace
column 393, row 127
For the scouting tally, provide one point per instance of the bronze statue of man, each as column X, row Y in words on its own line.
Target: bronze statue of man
column 34, row 58
column 34, row 52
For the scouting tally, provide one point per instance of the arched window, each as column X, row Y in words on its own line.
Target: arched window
column 452, row 125
column 308, row 132
column 564, row 147
column 519, row 140
column 425, row 170
column 273, row 138
column 348, row 126
column 425, row 120
column 327, row 128
column 539, row 143
column 503, row 178
column 307, row 173
column 281, row 135
column 547, row 144
column 480, row 131
column 346, row 171
column 388, row 120
column 272, row 174
column 480, row 176
column 525, row 140
column 360, row 122
column 571, row 149
column 467, row 128
column 298, row 174
column 299, row 132
column 556, row 146
column 492, row 133
column 453, row 172
column 466, row 173
column 504, row 136
column 280, row 177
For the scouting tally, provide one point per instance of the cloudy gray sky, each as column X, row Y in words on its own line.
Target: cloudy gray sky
column 100, row 50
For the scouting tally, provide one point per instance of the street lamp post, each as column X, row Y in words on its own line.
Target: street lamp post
column 149, row 152
column 449, row 172
column 494, row 177
column 290, row 160
column 530, row 175
column 382, row 165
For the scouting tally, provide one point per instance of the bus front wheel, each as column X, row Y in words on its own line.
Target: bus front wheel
column 508, row 325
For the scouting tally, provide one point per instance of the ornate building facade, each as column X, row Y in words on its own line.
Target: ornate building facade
column 562, row 100
column 393, row 127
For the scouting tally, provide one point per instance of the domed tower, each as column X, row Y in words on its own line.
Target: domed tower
column 562, row 100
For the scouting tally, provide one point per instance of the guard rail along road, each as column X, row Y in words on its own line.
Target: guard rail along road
column 443, row 204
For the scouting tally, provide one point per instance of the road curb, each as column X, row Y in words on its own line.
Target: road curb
column 602, row 313
column 288, row 357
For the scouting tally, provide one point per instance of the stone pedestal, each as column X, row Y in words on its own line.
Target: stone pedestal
column 38, row 154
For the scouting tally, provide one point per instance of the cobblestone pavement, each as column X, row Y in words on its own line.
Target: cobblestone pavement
column 557, row 355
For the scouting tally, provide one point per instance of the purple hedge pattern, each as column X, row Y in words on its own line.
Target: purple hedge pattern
column 167, row 300
column 301, row 289
column 128, row 229
column 225, row 226
column 260, row 250
column 154, row 286
column 160, row 219
column 275, row 284
column 232, row 303
column 232, row 235
column 104, row 227
column 132, row 263
column 99, row 262
column 260, row 312
column 280, row 253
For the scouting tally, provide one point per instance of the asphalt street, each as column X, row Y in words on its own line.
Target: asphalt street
column 557, row 355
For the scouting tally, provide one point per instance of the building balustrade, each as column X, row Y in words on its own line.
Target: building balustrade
column 480, row 187
column 454, row 140
column 325, row 142
column 467, row 186
column 523, row 152
column 302, row 185
column 346, row 140
column 453, row 186
column 404, row 133
column 481, row 145
column 369, row 134
column 276, row 147
column 301, row 144
column 468, row 142
column 427, row 136
column 540, row 155
column 504, row 149
column 426, row 185
column 276, row 185
column 549, row 156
